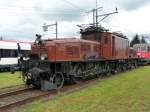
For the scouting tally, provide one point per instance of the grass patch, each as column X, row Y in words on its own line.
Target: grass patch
column 127, row 92
column 7, row 79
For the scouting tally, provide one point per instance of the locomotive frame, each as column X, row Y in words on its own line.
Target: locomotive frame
column 52, row 75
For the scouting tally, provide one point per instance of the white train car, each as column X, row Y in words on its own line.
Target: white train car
column 9, row 53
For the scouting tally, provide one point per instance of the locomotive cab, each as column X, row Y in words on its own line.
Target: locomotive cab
column 113, row 45
column 143, row 52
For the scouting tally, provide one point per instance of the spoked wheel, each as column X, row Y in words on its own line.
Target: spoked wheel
column 58, row 80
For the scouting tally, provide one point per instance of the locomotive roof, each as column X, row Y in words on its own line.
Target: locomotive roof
column 69, row 40
column 119, row 35
column 100, row 29
column 141, row 45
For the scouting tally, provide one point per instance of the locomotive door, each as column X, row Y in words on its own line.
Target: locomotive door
column 113, row 46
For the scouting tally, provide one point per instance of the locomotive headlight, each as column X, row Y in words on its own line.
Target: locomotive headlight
column 26, row 58
column 44, row 56
column 29, row 74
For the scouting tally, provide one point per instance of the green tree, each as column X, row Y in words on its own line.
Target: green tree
column 143, row 40
column 135, row 40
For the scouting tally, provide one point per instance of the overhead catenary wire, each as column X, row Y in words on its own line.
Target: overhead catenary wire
column 45, row 11
column 74, row 5
column 37, row 8
column 17, row 10
column 23, row 13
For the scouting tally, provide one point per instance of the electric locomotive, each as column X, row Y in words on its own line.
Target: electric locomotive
column 143, row 52
column 53, row 62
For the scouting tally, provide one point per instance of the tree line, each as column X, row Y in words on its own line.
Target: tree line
column 136, row 40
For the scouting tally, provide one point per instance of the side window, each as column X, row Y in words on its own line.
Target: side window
column 15, row 53
column 98, row 37
column 143, row 49
column 12, row 53
column 4, row 53
column 7, row 53
column 1, row 53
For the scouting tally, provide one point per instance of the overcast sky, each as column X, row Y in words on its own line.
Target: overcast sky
column 22, row 19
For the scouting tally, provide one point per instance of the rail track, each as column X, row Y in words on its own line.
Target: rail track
column 11, row 87
column 15, row 98
column 13, row 92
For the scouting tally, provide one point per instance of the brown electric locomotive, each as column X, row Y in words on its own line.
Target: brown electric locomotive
column 98, row 52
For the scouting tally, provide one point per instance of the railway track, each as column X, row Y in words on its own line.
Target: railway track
column 16, row 98
column 13, row 92
column 11, row 87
